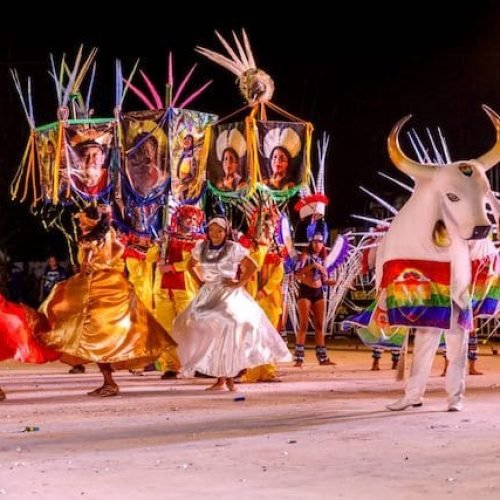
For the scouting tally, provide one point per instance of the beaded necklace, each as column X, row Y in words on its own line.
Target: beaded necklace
column 212, row 254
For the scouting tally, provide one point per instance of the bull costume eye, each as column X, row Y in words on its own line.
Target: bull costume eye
column 465, row 169
column 452, row 197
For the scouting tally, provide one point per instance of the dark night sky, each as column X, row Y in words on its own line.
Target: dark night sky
column 439, row 66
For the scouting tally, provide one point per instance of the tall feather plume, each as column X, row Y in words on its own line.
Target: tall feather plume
column 255, row 85
column 153, row 100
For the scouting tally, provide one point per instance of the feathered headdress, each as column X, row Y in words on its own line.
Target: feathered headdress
column 233, row 139
column 255, row 85
column 258, row 209
column 314, row 203
column 283, row 137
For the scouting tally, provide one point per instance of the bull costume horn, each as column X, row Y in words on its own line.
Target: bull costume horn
column 492, row 157
column 408, row 166
column 418, row 170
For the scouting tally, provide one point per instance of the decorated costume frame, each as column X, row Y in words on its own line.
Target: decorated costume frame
column 227, row 164
column 145, row 144
column 86, row 158
column 283, row 154
column 186, row 132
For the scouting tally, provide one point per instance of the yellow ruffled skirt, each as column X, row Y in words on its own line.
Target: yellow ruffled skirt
column 97, row 317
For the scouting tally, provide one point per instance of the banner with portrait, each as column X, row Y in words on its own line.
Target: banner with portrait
column 85, row 162
column 227, row 162
column 46, row 142
column 145, row 144
column 186, row 133
column 283, row 155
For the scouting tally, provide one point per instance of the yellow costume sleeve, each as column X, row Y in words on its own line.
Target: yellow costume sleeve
column 275, row 279
column 257, row 255
column 181, row 265
column 152, row 254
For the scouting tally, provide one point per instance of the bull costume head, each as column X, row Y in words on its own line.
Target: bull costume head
column 425, row 262
column 459, row 190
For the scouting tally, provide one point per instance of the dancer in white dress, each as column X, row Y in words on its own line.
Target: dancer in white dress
column 223, row 330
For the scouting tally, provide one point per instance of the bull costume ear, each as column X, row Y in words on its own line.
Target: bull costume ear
column 440, row 235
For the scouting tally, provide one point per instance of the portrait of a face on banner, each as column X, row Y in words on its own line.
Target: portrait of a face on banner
column 146, row 160
column 227, row 166
column 187, row 135
column 46, row 148
column 86, row 158
column 283, row 159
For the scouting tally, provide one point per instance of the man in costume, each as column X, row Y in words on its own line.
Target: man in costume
column 174, row 287
column 429, row 278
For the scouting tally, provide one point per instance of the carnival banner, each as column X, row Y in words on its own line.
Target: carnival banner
column 283, row 158
column 227, row 165
column 86, row 159
column 145, row 146
column 186, row 133
column 46, row 148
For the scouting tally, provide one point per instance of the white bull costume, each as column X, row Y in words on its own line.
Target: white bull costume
column 430, row 275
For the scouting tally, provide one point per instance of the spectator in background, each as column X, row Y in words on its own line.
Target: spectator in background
column 53, row 274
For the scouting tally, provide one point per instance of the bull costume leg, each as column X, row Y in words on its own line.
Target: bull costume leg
column 424, row 350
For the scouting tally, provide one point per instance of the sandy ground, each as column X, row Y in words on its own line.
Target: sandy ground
column 321, row 433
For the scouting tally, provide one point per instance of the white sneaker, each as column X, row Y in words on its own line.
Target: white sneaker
column 456, row 406
column 403, row 403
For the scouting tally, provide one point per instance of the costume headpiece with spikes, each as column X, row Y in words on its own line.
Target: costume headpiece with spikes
column 314, row 203
column 259, row 209
column 255, row 85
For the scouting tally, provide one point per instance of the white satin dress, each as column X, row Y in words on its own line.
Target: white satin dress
column 223, row 330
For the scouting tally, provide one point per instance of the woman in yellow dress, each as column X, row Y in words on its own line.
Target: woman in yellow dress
column 95, row 315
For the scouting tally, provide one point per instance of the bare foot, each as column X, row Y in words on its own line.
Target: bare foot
column 96, row 392
column 109, row 390
column 297, row 364
column 443, row 374
column 218, row 386
column 230, row 384
column 375, row 368
column 473, row 371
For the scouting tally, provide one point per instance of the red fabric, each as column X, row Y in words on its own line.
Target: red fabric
column 364, row 261
column 19, row 326
column 175, row 280
column 272, row 258
column 245, row 241
column 438, row 272
column 133, row 253
column 312, row 198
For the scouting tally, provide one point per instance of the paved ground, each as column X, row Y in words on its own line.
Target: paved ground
column 321, row 433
